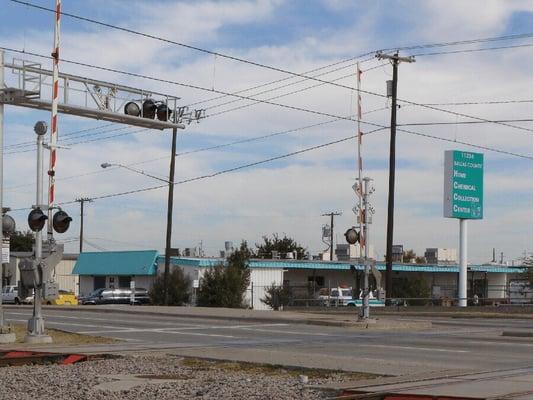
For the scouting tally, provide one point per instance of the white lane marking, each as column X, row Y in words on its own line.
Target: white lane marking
column 413, row 348
column 185, row 325
column 165, row 331
column 287, row 332
column 148, row 322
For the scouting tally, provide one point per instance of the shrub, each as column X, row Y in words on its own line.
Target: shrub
column 179, row 289
column 277, row 296
column 224, row 286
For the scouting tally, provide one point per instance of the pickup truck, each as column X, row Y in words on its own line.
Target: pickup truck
column 337, row 296
column 372, row 301
column 10, row 295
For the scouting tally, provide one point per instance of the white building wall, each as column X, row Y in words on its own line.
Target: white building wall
column 64, row 277
column 497, row 285
column 86, row 285
column 260, row 279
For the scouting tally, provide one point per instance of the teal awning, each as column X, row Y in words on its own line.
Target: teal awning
column 339, row 265
column 117, row 263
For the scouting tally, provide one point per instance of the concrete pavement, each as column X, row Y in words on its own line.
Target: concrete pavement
column 451, row 345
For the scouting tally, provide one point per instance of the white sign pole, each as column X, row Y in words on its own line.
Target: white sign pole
column 463, row 263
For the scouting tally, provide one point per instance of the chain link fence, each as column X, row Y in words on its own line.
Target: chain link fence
column 312, row 296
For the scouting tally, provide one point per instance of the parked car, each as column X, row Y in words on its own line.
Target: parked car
column 65, row 298
column 115, row 296
column 10, row 295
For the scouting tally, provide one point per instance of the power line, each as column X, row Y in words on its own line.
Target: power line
column 468, row 103
column 257, row 64
column 248, row 165
column 495, row 121
column 207, row 148
column 267, row 101
column 240, row 167
column 71, row 136
column 438, row 53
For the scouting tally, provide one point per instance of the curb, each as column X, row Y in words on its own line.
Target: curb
column 198, row 316
column 521, row 334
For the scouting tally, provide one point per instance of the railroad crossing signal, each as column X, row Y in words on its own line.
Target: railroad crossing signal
column 352, row 236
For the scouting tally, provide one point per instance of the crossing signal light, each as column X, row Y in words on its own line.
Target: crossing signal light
column 36, row 220
column 149, row 109
column 132, row 108
column 8, row 225
column 61, row 221
column 163, row 112
column 352, row 236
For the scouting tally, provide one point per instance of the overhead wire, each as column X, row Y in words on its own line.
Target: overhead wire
column 290, row 107
column 254, row 63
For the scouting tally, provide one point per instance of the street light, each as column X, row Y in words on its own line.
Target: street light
column 170, row 205
column 138, row 171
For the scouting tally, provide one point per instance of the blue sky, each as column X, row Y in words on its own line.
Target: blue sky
column 289, row 195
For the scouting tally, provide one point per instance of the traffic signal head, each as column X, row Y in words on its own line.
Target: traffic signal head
column 61, row 221
column 352, row 236
column 8, row 225
column 36, row 220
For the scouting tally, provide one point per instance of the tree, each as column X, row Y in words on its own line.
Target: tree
column 21, row 241
column 179, row 289
column 414, row 289
column 225, row 285
column 408, row 256
column 281, row 245
column 277, row 296
column 420, row 260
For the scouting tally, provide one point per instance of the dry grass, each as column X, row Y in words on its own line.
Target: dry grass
column 272, row 370
column 62, row 337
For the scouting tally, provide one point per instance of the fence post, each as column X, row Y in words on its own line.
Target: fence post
column 252, row 294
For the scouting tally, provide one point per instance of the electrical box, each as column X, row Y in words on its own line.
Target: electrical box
column 50, row 291
column 30, row 275
column 23, row 292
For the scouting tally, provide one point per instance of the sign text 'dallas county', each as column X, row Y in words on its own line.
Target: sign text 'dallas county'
column 463, row 185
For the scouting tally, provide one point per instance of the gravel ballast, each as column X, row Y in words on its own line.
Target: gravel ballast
column 160, row 377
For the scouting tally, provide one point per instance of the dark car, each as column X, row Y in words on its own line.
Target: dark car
column 116, row 296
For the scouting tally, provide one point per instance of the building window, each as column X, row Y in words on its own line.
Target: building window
column 99, row 282
column 318, row 280
column 124, row 281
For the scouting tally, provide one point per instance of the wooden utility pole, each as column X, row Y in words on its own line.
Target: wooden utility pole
column 82, row 201
column 331, row 215
column 395, row 60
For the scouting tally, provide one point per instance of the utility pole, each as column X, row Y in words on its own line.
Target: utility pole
column 331, row 214
column 169, row 213
column 82, row 201
column 395, row 60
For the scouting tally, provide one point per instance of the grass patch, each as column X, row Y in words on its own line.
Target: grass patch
column 63, row 337
column 271, row 370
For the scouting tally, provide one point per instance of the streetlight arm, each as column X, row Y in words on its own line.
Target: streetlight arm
column 138, row 171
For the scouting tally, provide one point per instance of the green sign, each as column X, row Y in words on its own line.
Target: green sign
column 463, row 185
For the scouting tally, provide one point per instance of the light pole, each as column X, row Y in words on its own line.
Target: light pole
column 170, row 205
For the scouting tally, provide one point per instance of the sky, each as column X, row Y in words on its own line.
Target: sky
column 322, row 38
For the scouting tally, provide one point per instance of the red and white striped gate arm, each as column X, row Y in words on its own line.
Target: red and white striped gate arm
column 53, row 132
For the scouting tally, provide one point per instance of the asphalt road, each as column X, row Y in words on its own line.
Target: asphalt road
column 452, row 344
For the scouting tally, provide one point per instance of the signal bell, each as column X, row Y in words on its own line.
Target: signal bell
column 61, row 221
column 352, row 236
column 36, row 220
